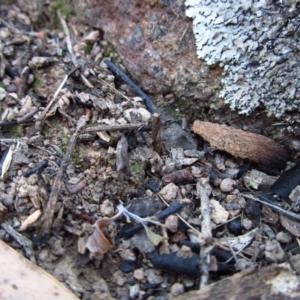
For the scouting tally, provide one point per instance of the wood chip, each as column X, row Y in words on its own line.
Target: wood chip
column 242, row 144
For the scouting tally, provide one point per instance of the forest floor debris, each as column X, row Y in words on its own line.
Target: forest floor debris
column 79, row 147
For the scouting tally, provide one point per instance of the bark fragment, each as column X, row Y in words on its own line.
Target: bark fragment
column 242, row 144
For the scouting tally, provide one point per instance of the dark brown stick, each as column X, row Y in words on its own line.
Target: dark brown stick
column 156, row 129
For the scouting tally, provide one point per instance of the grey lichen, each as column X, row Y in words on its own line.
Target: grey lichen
column 257, row 43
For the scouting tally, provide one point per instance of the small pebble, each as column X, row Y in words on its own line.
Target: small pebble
column 188, row 281
column 235, row 226
column 134, row 291
column 153, row 276
column 283, row 237
column 177, row 289
column 153, row 184
column 295, row 194
column 169, row 192
column 247, row 224
column 138, row 274
column 119, row 278
column 227, row 185
column 172, row 223
column 126, row 266
column 141, row 241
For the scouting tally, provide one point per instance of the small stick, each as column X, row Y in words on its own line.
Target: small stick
column 61, row 111
column 148, row 102
column 129, row 232
column 68, row 39
column 205, row 238
column 178, row 215
column 43, row 114
column 285, row 212
column 27, row 116
column 86, row 81
column 70, row 49
column 21, row 119
column 49, row 211
column 156, row 129
column 113, row 127
column 115, row 90
column 22, row 240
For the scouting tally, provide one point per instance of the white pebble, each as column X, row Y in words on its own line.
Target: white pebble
column 177, row 289
column 172, row 223
column 227, row 185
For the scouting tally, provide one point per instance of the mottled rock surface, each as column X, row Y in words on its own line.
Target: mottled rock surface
column 157, row 46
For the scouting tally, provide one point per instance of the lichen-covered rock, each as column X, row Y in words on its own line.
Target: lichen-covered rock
column 257, row 43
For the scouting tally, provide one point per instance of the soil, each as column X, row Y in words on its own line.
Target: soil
column 76, row 142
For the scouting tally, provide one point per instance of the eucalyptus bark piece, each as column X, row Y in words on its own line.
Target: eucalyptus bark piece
column 242, row 144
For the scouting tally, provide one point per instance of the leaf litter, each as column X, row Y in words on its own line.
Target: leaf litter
column 87, row 149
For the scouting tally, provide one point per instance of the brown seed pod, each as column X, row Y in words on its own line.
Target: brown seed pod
column 242, row 144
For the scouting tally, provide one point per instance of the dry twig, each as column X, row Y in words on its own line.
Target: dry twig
column 43, row 114
column 156, row 130
column 49, row 212
column 113, row 127
column 179, row 216
column 205, row 238
column 68, row 39
column 70, row 49
column 281, row 210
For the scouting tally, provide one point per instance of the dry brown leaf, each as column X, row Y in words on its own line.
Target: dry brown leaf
column 98, row 242
column 21, row 279
column 242, row 144
column 153, row 237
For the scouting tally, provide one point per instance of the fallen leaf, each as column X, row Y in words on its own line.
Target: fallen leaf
column 98, row 242
column 22, row 279
column 239, row 242
column 242, row 144
column 153, row 237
